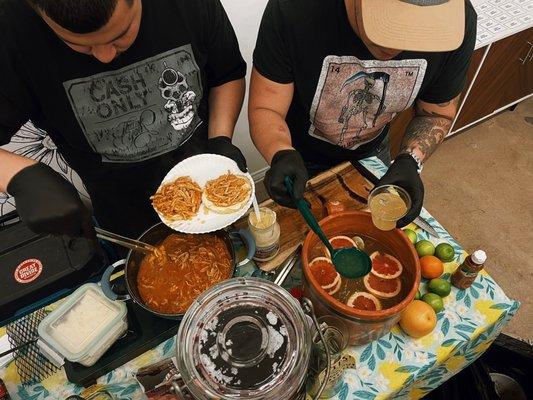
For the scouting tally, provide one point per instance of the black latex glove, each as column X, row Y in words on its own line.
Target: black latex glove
column 286, row 163
column 49, row 204
column 403, row 173
column 222, row 145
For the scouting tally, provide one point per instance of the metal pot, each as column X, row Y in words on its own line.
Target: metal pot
column 363, row 326
column 155, row 235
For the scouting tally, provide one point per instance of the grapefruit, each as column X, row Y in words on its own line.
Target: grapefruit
column 385, row 266
column 384, row 288
column 364, row 301
column 325, row 273
column 431, row 267
column 418, row 319
column 338, row 242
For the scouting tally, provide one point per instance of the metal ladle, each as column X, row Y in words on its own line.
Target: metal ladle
column 349, row 262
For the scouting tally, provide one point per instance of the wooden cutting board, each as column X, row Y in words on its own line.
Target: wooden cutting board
column 342, row 183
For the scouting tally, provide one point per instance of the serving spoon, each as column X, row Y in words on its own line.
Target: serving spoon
column 125, row 241
column 350, row 262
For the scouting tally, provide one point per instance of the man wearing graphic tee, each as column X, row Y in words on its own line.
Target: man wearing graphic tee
column 126, row 89
column 330, row 75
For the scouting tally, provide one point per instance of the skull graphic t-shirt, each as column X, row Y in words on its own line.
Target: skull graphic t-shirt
column 124, row 124
column 343, row 97
column 142, row 110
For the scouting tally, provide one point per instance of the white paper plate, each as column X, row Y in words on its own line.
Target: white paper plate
column 203, row 168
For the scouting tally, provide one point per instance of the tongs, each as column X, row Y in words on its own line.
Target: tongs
column 125, row 241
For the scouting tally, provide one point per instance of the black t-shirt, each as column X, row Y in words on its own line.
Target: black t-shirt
column 343, row 96
column 121, row 125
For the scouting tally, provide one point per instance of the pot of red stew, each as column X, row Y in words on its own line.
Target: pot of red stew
column 166, row 282
column 372, row 305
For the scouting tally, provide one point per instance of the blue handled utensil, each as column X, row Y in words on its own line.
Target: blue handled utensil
column 349, row 262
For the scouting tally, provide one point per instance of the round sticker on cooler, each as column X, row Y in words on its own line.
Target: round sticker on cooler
column 29, row 270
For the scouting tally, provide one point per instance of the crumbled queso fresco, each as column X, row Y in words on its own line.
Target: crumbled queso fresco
column 272, row 318
column 275, row 342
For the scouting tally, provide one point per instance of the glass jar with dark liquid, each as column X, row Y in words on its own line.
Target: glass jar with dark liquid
column 244, row 338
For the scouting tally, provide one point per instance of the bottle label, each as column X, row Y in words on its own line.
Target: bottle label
column 266, row 253
column 468, row 273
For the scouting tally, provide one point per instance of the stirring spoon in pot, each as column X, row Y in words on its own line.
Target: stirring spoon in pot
column 349, row 262
column 125, row 242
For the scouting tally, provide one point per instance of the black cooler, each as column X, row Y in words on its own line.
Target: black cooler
column 36, row 270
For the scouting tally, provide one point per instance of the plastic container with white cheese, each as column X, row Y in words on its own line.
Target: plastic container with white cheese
column 84, row 326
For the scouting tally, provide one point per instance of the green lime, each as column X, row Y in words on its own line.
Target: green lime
column 410, row 234
column 418, row 295
column 445, row 252
column 434, row 300
column 424, row 248
column 440, row 286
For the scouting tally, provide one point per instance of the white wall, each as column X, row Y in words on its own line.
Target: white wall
column 245, row 15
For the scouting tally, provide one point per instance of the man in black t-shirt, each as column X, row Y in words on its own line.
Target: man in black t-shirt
column 126, row 89
column 330, row 75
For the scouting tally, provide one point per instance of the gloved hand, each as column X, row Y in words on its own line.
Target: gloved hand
column 286, row 163
column 222, row 145
column 48, row 203
column 403, row 172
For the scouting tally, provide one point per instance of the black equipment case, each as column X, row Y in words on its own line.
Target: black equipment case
column 36, row 270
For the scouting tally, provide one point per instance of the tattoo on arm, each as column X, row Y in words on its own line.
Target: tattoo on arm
column 424, row 134
column 427, row 130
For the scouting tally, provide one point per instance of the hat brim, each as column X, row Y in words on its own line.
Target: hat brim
column 402, row 26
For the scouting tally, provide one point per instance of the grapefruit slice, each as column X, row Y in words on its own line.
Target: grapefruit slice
column 385, row 266
column 384, row 288
column 325, row 273
column 336, row 288
column 338, row 242
column 364, row 301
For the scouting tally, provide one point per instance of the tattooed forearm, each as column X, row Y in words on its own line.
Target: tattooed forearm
column 429, row 127
column 424, row 134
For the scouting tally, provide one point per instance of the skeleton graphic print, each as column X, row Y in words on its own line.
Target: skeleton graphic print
column 354, row 99
column 142, row 110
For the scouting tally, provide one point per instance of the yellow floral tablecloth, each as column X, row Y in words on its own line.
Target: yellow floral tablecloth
column 395, row 366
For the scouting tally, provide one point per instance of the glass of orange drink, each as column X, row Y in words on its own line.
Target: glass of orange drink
column 388, row 203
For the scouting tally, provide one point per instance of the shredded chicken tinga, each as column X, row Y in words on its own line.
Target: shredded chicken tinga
column 178, row 200
column 191, row 264
column 227, row 190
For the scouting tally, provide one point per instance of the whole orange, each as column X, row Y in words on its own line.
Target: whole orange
column 431, row 267
column 418, row 319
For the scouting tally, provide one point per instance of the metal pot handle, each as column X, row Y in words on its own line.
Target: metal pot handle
column 249, row 241
column 309, row 310
column 105, row 282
